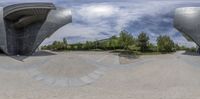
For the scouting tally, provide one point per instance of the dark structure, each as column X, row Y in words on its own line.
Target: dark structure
column 23, row 27
column 187, row 21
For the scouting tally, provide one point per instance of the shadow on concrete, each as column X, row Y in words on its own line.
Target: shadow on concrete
column 43, row 53
column 126, row 54
column 190, row 53
column 36, row 54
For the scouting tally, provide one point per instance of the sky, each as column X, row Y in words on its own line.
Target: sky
column 100, row 19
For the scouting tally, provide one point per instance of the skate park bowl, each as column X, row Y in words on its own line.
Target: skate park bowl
column 187, row 21
column 68, row 69
column 62, row 69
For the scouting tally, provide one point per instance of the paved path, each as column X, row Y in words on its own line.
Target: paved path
column 170, row 76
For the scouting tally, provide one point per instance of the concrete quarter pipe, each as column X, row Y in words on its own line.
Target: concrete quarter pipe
column 24, row 26
column 187, row 21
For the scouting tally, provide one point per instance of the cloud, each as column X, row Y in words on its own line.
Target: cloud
column 97, row 11
column 156, row 18
column 97, row 19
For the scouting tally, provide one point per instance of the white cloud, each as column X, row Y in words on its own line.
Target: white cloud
column 76, row 30
column 97, row 11
column 92, row 20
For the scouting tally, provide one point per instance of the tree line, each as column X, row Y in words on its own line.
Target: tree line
column 125, row 41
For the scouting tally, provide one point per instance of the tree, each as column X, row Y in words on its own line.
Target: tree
column 165, row 44
column 143, row 40
column 133, row 47
column 152, row 47
column 79, row 46
column 97, row 44
column 126, row 39
column 89, row 45
column 177, row 47
column 65, row 41
column 114, row 42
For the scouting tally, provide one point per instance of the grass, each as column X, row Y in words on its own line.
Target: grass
column 126, row 52
column 151, row 53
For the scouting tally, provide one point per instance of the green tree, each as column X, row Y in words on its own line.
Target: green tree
column 165, row 44
column 152, row 47
column 97, row 44
column 143, row 40
column 103, row 45
column 79, row 46
column 65, row 43
column 114, row 42
column 89, row 45
column 126, row 39
column 57, row 45
column 177, row 47
column 133, row 47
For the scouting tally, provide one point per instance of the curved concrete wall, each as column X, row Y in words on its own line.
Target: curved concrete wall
column 23, row 27
column 187, row 21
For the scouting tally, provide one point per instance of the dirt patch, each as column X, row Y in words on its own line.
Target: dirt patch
column 125, row 58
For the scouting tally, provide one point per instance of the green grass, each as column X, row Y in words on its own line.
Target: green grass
column 151, row 53
column 121, row 51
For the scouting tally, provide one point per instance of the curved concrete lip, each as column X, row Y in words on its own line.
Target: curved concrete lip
column 187, row 21
column 187, row 8
column 67, row 71
column 17, row 7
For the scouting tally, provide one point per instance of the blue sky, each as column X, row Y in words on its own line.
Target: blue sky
column 98, row 19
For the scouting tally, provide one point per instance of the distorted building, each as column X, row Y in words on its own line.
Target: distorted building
column 187, row 21
column 23, row 27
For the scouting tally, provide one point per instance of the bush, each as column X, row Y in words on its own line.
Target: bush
column 192, row 49
column 133, row 48
column 143, row 40
column 165, row 44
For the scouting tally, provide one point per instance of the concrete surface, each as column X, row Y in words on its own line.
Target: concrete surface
column 99, row 75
